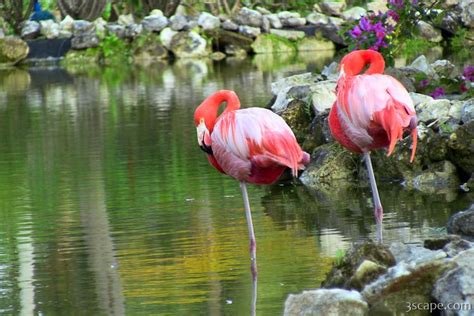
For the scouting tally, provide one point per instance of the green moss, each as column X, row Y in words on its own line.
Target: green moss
column 414, row 47
column 271, row 43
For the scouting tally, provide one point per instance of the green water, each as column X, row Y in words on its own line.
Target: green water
column 107, row 205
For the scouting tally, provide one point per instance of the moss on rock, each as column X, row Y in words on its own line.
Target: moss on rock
column 271, row 43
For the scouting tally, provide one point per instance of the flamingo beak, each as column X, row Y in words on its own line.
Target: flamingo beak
column 201, row 131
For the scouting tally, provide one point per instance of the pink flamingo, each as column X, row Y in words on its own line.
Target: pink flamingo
column 252, row 145
column 372, row 110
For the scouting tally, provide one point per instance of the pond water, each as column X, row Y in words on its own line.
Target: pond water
column 107, row 205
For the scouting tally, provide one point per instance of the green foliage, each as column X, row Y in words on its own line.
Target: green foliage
column 413, row 47
column 340, row 253
column 114, row 50
column 458, row 44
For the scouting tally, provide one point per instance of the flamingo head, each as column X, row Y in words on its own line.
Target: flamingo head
column 203, row 136
column 356, row 61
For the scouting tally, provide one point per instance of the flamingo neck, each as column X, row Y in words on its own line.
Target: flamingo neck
column 353, row 63
column 210, row 106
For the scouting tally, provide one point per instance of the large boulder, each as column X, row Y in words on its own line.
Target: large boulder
column 155, row 23
column 314, row 44
column 461, row 145
column 116, row 29
column 291, row 19
column 166, row 36
column 49, row 29
column 249, row 31
column 249, row 17
column 84, row 35
column 189, row 44
column 270, row 43
column 178, row 22
column 288, row 34
column 428, row 32
column 12, row 50
column 298, row 116
column 148, row 48
column 30, row 30
column 208, row 22
column 332, row 7
column 467, row 12
column 462, row 223
column 232, row 40
column 326, row 302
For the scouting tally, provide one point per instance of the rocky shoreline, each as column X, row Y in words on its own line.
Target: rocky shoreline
column 374, row 279
column 185, row 35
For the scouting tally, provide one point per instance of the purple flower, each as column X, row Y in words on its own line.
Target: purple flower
column 396, row 3
column 468, row 73
column 415, row 2
column 437, row 93
column 424, row 83
column 365, row 24
column 355, row 32
column 394, row 15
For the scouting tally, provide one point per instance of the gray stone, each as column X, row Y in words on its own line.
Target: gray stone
column 84, row 35
column 149, row 50
column 461, row 147
column 288, row 34
column 189, row 44
column 155, row 23
column 99, row 24
column 281, row 88
column 403, row 77
column 249, row 17
column 314, row 44
column 467, row 12
column 208, row 22
column 462, row 223
column 377, row 5
column 291, row 19
column 331, row 302
column 332, row 7
column 414, row 254
column 116, row 29
column 133, row 30
column 263, row 10
column 421, row 64
column 266, row 26
column 234, row 50
column 419, row 98
column 297, row 115
column 438, row 177
column 331, row 71
column 467, row 110
column 12, row 50
column 427, row 31
column 444, row 68
column 67, row 24
column 354, row 13
column 166, row 36
column 49, row 29
column 318, row 19
column 331, row 30
column 230, row 26
column 274, row 21
column 249, row 31
column 178, row 22
column 156, row 12
column 457, row 285
column 433, row 110
column 126, row 19
column 30, row 30
column 323, row 95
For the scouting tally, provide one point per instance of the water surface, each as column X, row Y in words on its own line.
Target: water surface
column 107, row 205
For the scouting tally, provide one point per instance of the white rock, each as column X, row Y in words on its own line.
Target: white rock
column 166, row 36
column 49, row 29
column 208, row 22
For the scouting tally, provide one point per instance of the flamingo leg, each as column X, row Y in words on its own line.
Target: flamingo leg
column 248, row 215
column 375, row 195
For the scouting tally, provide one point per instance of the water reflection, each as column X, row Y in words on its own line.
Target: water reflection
column 108, row 206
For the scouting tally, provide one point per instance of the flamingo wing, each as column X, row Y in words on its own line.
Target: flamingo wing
column 246, row 140
column 366, row 103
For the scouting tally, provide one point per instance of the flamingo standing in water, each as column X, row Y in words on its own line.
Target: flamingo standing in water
column 372, row 110
column 252, row 145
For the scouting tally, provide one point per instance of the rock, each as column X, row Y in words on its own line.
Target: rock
column 450, row 21
column 462, row 223
column 66, row 27
column 467, row 111
column 225, row 38
column 377, row 6
column 12, row 50
column 326, row 302
column 451, row 244
column 148, row 48
column 265, row 24
column 298, row 116
column 433, row 110
column 318, row 19
column 419, row 98
column 444, row 68
column 319, row 133
column 467, row 12
column 82, row 57
column 116, row 29
column 274, row 21
column 217, row 56
column 331, row 30
column 270, row 43
column 323, row 95
column 332, row 7
column 126, row 19
column 249, row 31
column 331, row 166
column 155, row 23
column 461, row 145
column 439, row 176
column 30, row 30
column 249, row 17
column 230, row 26
column 288, row 34
column 421, row 64
column 291, row 19
column 156, row 12
column 208, row 22
column 457, row 286
column 189, row 44
column 233, row 50
column 314, row 44
column 284, row 92
column 2, row 33
column 99, row 27
column 84, row 35
column 166, row 36
column 133, row 30
column 405, row 79
column 49, row 29
column 354, row 14
column 331, row 71
column 408, row 281
column 362, row 263
column 414, row 254
column 178, row 22
column 427, row 31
